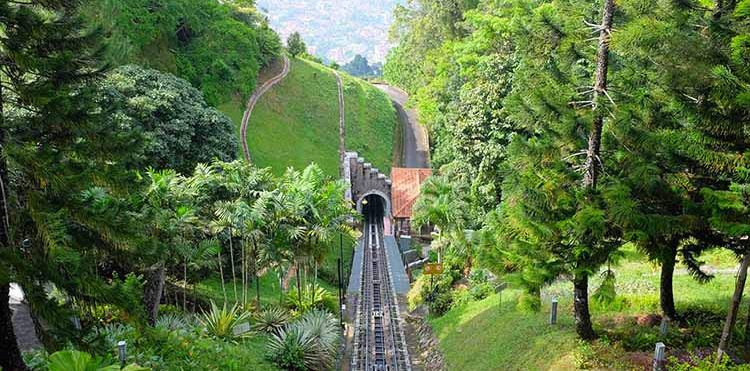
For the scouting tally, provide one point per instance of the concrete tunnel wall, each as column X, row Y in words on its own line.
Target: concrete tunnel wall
column 364, row 181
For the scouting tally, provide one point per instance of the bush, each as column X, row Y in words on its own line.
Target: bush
column 222, row 323
column 308, row 300
column 271, row 320
column 172, row 322
column 481, row 291
column 461, row 297
column 529, row 302
column 705, row 364
column 71, row 360
column 290, row 348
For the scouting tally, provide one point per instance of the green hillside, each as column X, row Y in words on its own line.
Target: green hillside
column 370, row 122
column 296, row 123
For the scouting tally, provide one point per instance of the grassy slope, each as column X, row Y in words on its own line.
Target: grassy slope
column 483, row 336
column 296, row 123
column 370, row 122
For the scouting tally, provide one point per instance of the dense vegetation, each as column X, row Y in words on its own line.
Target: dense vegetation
column 218, row 47
column 565, row 130
column 120, row 198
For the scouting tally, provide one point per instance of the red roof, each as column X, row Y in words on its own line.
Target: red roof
column 405, row 190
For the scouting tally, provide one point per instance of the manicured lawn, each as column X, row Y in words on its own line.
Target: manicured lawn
column 483, row 335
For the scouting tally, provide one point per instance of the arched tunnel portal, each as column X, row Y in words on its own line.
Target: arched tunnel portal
column 375, row 202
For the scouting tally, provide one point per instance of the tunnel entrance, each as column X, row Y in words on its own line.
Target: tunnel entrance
column 373, row 205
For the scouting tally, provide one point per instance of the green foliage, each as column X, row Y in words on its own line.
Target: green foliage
column 438, row 296
column 359, row 66
column 180, row 129
column 217, row 47
column 271, row 320
column 295, row 45
column 172, row 322
column 311, row 298
column 222, row 323
column 606, row 293
column 308, row 344
column 71, row 360
column 706, row 364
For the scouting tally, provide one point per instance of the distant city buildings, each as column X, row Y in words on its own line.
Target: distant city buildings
column 335, row 30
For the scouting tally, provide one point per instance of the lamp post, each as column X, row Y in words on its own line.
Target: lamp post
column 122, row 352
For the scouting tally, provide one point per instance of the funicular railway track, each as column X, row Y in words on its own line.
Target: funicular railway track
column 379, row 343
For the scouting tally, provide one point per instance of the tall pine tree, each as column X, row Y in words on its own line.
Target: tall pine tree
column 555, row 195
column 55, row 146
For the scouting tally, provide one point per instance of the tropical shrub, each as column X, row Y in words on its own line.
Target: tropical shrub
column 292, row 349
column 72, row 360
column 271, row 320
column 308, row 300
column 308, row 344
column 172, row 322
column 222, row 322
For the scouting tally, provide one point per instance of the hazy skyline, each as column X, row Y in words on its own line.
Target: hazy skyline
column 333, row 29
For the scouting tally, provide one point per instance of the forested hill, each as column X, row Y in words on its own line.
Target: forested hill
column 217, row 46
column 580, row 140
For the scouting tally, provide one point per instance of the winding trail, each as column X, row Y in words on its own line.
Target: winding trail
column 259, row 91
column 342, row 123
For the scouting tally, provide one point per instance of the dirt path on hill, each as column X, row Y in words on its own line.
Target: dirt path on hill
column 259, row 91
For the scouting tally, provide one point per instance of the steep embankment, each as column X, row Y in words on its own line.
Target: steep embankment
column 297, row 121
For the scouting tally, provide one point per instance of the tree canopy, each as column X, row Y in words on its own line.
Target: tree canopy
column 180, row 128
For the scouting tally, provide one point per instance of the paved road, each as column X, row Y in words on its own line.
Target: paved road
column 416, row 144
column 259, row 91
column 23, row 325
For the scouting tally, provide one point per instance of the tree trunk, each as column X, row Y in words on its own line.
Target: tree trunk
column 244, row 274
column 10, row 355
column 281, row 286
column 666, row 292
column 593, row 162
column 153, row 290
column 747, row 335
column 315, row 282
column 195, row 297
column 256, row 275
column 726, row 333
column 581, row 307
column 299, row 283
column 184, row 290
column 221, row 273
column 231, row 261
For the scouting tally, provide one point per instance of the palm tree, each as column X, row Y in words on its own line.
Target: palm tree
column 323, row 213
column 226, row 220
column 168, row 218
column 440, row 206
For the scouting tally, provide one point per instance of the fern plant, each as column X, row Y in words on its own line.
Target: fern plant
column 223, row 323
